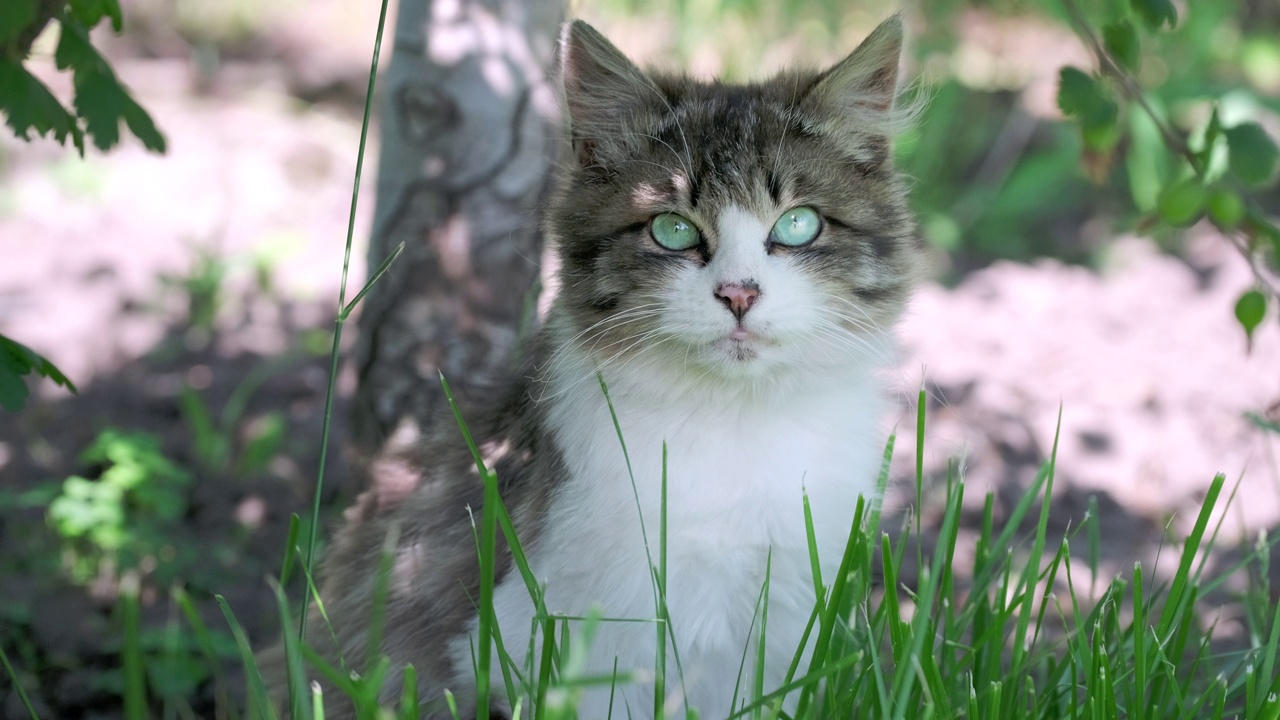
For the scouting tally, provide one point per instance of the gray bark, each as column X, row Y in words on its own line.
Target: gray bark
column 470, row 130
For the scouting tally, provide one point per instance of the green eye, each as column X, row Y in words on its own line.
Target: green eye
column 674, row 232
column 797, row 226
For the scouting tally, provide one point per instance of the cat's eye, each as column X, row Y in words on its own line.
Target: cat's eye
column 674, row 232
column 797, row 226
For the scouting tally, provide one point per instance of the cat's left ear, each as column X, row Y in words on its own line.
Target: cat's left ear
column 853, row 102
column 606, row 95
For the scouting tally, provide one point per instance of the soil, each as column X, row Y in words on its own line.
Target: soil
column 1138, row 369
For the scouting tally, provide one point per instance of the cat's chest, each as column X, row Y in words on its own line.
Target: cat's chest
column 737, row 471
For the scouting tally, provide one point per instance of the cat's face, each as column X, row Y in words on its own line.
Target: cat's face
column 739, row 230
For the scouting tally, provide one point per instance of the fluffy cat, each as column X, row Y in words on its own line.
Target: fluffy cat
column 732, row 260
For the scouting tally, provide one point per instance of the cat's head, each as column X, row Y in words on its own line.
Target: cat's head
column 741, row 230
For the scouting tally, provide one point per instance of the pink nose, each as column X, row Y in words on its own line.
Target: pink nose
column 738, row 297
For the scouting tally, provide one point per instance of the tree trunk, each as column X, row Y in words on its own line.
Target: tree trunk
column 470, row 129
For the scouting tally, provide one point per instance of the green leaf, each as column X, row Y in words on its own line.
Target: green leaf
column 1122, row 42
column 102, row 102
column 16, row 357
column 76, row 52
column 13, row 390
column 1253, row 154
column 1078, row 93
column 15, row 16
column 28, row 105
column 1251, row 308
column 89, row 12
column 17, row 360
column 1226, row 209
column 1155, row 13
column 99, row 97
column 1080, row 96
column 142, row 126
column 1182, row 203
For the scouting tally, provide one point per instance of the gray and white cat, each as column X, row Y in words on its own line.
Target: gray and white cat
column 732, row 260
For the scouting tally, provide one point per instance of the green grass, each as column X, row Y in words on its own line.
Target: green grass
column 1010, row 636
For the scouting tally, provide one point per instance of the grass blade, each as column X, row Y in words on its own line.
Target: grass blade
column 373, row 280
column 13, row 680
column 1178, row 590
column 326, row 426
column 290, row 549
column 204, row 640
column 260, row 705
column 135, row 677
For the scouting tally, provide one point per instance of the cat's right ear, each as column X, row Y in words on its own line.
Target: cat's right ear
column 605, row 94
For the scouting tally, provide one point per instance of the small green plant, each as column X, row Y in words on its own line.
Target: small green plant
column 217, row 442
column 122, row 516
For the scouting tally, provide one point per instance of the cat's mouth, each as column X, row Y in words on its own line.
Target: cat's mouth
column 744, row 345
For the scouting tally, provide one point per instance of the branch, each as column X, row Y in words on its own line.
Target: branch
column 1132, row 91
column 1129, row 86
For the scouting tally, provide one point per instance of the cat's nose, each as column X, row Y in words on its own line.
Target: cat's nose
column 738, row 297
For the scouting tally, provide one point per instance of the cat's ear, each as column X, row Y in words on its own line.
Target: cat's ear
column 605, row 93
column 853, row 101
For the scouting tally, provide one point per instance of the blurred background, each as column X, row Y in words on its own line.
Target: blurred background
column 191, row 297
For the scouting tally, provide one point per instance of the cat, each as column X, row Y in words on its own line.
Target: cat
column 732, row 259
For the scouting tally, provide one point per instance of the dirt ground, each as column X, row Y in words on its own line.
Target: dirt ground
column 1142, row 359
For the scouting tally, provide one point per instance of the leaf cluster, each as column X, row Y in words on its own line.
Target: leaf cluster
column 122, row 515
column 1214, row 171
column 99, row 103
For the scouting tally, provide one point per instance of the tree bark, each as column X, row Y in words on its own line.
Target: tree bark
column 470, row 129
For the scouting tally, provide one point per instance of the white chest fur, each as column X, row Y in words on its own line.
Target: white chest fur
column 738, row 465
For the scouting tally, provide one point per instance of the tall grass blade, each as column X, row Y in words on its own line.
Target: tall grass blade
column 204, row 640
column 373, row 280
column 312, row 535
column 409, row 709
column 660, row 649
column 260, row 705
column 1178, row 589
column 815, row 567
column 290, row 549
column 1031, row 573
column 13, row 680
column 1269, row 653
column 920, row 413
column 764, row 627
column 317, row 702
column 829, row 619
column 135, row 674
column 488, row 573
column 298, row 689
column 746, row 651
column 659, row 593
column 809, row 681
